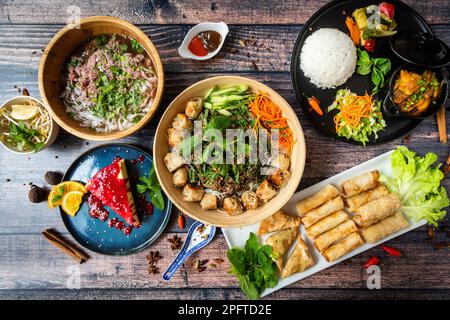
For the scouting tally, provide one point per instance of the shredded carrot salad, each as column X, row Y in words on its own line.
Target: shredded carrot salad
column 353, row 109
column 269, row 116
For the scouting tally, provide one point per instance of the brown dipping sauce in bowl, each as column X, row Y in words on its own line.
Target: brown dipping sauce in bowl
column 210, row 39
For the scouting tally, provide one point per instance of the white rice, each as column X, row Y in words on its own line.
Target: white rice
column 328, row 58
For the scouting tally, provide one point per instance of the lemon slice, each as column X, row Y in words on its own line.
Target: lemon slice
column 56, row 195
column 23, row 112
column 71, row 202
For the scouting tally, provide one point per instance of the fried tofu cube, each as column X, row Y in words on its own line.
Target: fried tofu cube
column 194, row 108
column 173, row 161
column 192, row 193
column 232, row 206
column 209, row 202
column 182, row 122
column 265, row 191
column 249, row 200
column 282, row 161
column 175, row 137
column 279, row 178
column 180, row 177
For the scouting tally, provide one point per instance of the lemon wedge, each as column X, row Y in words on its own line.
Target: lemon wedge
column 71, row 202
column 23, row 112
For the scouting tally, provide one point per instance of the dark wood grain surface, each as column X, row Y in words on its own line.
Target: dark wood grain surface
column 31, row 268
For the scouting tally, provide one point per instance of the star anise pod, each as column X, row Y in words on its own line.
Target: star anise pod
column 152, row 269
column 175, row 242
column 153, row 257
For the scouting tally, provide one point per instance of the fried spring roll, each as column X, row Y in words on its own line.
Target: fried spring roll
column 324, row 210
column 337, row 233
column 377, row 210
column 361, row 199
column 326, row 224
column 278, row 221
column 343, row 247
column 360, row 183
column 317, row 199
column 384, row 228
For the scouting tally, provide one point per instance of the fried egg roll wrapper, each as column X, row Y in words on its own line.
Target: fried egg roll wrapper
column 324, row 210
column 317, row 199
column 377, row 210
column 361, row 199
column 299, row 260
column 361, row 183
column 278, row 221
column 281, row 242
column 337, row 233
column 343, row 247
column 384, row 228
column 326, row 224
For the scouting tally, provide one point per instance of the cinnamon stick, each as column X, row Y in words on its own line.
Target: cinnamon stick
column 58, row 241
column 442, row 126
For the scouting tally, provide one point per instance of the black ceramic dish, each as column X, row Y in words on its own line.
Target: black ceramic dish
column 391, row 109
column 333, row 15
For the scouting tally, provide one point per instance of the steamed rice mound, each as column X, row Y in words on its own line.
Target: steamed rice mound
column 328, row 58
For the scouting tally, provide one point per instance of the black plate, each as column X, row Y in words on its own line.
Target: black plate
column 333, row 15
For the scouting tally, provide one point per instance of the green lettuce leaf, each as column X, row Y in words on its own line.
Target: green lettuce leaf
column 417, row 183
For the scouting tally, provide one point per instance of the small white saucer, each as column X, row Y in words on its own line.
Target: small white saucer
column 220, row 27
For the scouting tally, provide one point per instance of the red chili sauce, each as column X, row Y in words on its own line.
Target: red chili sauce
column 205, row 42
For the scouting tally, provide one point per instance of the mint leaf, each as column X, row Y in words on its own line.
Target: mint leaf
column 253, row 266
column 151, row 185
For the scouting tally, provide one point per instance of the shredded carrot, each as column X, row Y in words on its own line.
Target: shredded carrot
column 354, row 30
column 269, row 116
column 353, row 110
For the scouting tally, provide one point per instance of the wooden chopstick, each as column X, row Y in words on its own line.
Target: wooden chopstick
column 442, row 126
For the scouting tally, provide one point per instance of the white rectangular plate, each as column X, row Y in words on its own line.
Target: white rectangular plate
column 236, row 237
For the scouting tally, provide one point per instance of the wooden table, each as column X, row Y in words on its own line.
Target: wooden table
column 31, row 268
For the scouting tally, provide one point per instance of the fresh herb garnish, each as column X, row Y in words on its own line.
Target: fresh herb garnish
column 151, row 185
column 136, row 46
column 379, row 67
column 21, row 136
column 254, row 267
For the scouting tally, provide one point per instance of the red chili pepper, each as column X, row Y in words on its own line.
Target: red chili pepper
column 196, row 47
column 373, row 260
column 370, row 45
column 180, row 220
column 391, row 251
column 387, row 9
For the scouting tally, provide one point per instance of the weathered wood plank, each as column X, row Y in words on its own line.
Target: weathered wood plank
column 175, row 12
column 223, row 294
column 29, row 262
column 269, row 47
column 319, row 164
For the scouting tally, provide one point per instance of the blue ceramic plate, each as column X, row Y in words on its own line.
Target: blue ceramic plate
column 95, row 234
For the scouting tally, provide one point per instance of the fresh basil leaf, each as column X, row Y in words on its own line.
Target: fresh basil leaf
column 376, row 77
column 363, row 69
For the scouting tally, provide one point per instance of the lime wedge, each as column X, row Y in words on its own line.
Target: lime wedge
column 23, row 112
